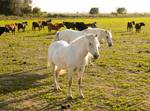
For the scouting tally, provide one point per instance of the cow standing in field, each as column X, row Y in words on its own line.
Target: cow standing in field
column 92, row 25
column 69, row 25
column 82, row 26
column 3, row 29
column 130, row 26
column 138, row 26
column 45, row 23
column 11, row 27
column 79, row 25
column 22, row 26
column 36, row 25
column 55, row 27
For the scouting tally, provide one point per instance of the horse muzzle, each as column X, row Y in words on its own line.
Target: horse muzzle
column 96, row 56
column 110, row 45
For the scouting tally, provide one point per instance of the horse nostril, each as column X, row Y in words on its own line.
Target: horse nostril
column 110, row 45
column 96, row 56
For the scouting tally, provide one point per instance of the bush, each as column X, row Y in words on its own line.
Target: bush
column 94, row 11
column 122, row 10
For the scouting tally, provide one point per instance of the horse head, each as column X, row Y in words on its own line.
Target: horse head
column 108, row 38
column 93, row 45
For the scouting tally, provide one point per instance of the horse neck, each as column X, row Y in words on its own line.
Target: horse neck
column 102, row 34
column 80, row 47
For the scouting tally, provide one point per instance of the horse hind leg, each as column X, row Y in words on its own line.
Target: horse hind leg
column 56, row 71
column 69, row 93
column 80, row 76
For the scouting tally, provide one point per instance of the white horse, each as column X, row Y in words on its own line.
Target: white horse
column 69, row 35
column 62, row 55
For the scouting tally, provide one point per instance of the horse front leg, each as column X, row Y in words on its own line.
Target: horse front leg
column 69, row 93
column 80, row 76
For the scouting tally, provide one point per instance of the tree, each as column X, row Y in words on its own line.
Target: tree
column 27, row 10
column 122, row 10
column 5, row 7
column 36, row 10
column 14, row 7
column 94, row 10
column 27, row 1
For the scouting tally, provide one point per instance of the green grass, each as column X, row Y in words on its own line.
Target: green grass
column 118, row 81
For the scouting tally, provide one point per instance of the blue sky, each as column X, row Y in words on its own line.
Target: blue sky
column 73, row 6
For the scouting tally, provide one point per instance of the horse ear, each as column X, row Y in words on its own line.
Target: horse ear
column 96, row 35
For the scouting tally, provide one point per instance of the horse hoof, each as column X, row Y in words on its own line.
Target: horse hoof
column 57, row 89
column 81, row 97
column 68, row 106
column 69, row 98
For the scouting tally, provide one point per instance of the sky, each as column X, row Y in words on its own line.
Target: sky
column 83, row 6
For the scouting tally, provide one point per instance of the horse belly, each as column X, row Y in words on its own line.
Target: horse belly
column 58, row 59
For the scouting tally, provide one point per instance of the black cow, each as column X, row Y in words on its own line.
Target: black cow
column 130, row 26
column 44, row 23
column 138, row 26
column 69, row 25
column 22, row 26
column 82, row 26
column 93, row 25
column 36, row 24
column 3, row 29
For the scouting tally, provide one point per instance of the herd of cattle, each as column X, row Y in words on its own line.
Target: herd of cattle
column 41, row 24
column 69, row 25
column 137, row 26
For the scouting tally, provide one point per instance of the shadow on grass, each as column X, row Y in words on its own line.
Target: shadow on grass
column 57, row 104
column 53, row 103
column 3, row 104
column 20, row 81
column 27, row 71
column 10, row 82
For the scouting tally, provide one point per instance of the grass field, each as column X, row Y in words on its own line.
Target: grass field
column 118, row 81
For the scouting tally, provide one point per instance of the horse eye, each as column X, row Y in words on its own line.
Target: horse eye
column 90, row 44
column 107, row 37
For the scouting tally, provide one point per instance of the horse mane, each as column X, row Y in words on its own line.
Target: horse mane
column 77, row 39
column 81, row 37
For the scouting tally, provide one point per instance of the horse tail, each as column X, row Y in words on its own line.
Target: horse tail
column 48, row 64
column 56, row 36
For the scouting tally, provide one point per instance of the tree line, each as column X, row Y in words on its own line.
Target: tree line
column 120, row 10
column 17, row 7
column 24, row 7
